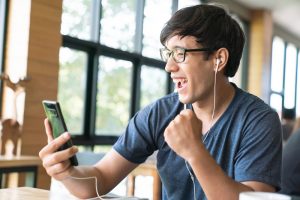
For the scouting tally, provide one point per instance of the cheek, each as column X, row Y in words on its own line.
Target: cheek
column 200, row 79
column 197, row 76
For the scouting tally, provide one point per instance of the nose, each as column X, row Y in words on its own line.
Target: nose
column 171, row 66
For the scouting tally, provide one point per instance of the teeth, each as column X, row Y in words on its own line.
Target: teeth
column 180, row 80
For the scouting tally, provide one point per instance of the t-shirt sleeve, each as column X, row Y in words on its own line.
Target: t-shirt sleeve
column 137, row 142
column 260, row 153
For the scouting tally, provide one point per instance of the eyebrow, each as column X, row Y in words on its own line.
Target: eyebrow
column 175, row 47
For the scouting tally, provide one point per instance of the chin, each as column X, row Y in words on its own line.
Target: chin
column 183, row 99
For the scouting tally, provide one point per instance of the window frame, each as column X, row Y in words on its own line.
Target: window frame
column 94, row 50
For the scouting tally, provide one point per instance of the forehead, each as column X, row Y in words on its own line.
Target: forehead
column 179, row 41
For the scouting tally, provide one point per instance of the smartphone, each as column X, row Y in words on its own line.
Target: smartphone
column 56, row 119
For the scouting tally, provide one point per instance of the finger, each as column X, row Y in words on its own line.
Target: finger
column 48, row 129
column 58, row 168
column 178, row 119
column 187, row 112
column 182, row 112
column 59, row 156
column 55, row 144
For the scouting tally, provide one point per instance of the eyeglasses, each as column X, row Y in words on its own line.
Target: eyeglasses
column 178, row 53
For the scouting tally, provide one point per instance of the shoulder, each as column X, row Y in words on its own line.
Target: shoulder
column 253, row 116
column 251, row 105
column 160, row 112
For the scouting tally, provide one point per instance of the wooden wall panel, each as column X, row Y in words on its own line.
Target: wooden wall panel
column 37, row 52
column 260, row 44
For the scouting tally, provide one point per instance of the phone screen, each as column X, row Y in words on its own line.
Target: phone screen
column 55, row 117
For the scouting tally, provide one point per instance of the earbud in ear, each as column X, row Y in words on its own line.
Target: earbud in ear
column 217, row 64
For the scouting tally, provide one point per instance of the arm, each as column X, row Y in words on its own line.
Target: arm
column 184, row 140
column 215, row 182
column 109, row 171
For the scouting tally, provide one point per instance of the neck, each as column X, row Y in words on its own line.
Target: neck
column 206, row 112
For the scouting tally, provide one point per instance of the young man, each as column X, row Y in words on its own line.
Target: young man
column 213, row 139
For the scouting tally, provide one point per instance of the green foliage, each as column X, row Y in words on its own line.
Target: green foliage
column 71, row 88
column 113, row 96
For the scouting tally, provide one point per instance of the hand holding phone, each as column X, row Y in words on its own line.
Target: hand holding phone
column 55, row 117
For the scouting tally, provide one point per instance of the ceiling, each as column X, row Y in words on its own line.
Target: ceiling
column 286, row 13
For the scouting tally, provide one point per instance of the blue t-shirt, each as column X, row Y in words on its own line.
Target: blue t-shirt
column 245, row 141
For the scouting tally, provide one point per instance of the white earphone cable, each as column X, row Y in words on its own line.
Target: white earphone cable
column 215, row 88
column 192, row 177
column 96, row 184
column 212, row 118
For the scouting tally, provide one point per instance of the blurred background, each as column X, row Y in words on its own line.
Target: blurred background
column 100, row 59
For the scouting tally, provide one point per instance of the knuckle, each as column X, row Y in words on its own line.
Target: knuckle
column 55, row 144
column 44, row 165
column 41, row 154
column 60, row 166
column 177, row 119
column 55, row 158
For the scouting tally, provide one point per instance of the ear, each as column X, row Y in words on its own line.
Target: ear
column 220, row 59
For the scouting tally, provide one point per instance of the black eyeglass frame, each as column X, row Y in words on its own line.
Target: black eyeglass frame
column 171, row 53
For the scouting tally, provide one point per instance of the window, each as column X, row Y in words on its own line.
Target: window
column 284, row 76
column 3, row 22
column 3, row 19
column 109, row 50
column 290, row 76
column 77, row 19
column 72, row 75
column 151, row 85
column 153, row 25
column 118, row 19
column 113, row 95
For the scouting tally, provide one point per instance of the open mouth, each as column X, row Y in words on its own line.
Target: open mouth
column 180, row 83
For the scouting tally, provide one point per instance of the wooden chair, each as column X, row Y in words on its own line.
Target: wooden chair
column 11, row 129
column 146, row 169
column 10, row 143
column 10, row 138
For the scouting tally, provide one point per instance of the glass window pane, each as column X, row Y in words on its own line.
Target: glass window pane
column 186, row 3
column 290, row 76
column 71, row 87
column 276, row 102
column 118, row 24
column 2, row 28
column 277, row 64
column 113, row 97
column 153, row 24
column 77, row 18
column 153, row 84
column 298, row 88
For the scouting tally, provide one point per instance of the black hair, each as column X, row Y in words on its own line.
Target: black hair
column 213, row 28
